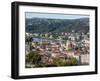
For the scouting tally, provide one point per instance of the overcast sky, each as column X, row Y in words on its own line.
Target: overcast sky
column 54, row 16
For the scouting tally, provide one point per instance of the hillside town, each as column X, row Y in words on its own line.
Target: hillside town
column 70, row 48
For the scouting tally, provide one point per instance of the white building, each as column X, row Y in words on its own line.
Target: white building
column 84, row 58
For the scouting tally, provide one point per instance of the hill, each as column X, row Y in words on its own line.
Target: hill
column 44, row 25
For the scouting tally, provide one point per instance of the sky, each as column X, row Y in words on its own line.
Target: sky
column 54, row 16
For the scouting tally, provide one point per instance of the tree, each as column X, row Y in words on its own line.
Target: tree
column 33, row 58
column 59, row 62
column 72, row 61
column 28, row 39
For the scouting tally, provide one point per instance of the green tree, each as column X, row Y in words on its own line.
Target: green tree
column 72, row 61
column 59, row 62
column 65, row 62
column 33, row 58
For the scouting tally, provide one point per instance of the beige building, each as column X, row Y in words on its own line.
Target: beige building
column 84, row 59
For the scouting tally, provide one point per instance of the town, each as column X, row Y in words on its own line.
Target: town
column 56, row 49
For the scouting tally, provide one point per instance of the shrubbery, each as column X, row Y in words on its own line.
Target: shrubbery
column 65, row 62
column 35, row 58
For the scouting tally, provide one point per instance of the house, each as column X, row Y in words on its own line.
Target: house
column 70, row 53
column 27, row 49
column 84, row 59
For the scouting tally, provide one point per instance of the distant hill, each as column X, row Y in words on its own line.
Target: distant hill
column 43, row 25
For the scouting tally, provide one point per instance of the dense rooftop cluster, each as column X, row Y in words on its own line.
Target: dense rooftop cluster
column 57, row 49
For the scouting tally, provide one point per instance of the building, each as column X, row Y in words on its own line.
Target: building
column 84, row 59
